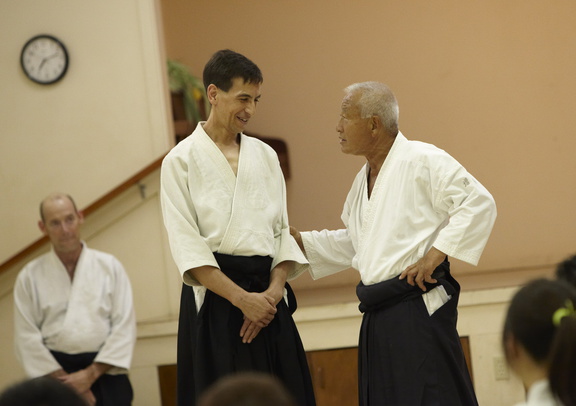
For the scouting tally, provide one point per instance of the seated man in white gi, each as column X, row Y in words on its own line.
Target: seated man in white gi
column 410, row 206
column 74, row 318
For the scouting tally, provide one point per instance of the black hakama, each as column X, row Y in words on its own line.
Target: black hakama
column 109, row 390
column 406, row 356
column 210, row 346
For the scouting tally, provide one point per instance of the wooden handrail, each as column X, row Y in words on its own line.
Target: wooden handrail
column 87, row 211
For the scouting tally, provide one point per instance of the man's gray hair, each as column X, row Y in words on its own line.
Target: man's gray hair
column 56, row 196
column 377, row 99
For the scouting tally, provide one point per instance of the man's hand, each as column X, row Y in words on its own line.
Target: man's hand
column 251, row 327
column 89, row 398
column 274, row 294
column 258, row 308
column 63, row 377
column 422, row 270
column 249, row 331
column 81, row 380
column 296, row 234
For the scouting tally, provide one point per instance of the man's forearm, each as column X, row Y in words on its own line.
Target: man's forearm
column 57, row 374
column 256, row 306
column 215, row 280
column 434, row 257
column 278, row 278
column 97, row 369
column 298, row 237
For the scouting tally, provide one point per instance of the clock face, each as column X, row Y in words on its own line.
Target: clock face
column 44, row 59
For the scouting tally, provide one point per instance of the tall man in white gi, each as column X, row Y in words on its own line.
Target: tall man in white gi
column 410, row 207
column 73, row 317
column 224, row 205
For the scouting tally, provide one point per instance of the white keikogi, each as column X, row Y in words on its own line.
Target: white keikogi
column 207, row 208
column 422, row 197
column 92, row 313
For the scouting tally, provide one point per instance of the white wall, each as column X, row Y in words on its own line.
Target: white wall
column 107, row 118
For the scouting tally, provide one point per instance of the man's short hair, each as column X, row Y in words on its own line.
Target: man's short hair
column 377, row 99
column 56, row 196
column 226, row 65
column 247, row 389
column 43, row 391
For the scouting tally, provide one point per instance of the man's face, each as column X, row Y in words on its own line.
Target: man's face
column 353, row 131
column 61, row 224
column 235, row 107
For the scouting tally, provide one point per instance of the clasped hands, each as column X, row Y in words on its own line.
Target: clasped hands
column 81, row 381
column 259, row 310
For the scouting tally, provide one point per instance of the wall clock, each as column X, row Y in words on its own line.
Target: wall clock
column 44, row 59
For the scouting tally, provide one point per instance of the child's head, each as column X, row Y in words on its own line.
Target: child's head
column 541, row 319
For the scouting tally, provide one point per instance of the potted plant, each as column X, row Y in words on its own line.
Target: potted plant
column 191, row 89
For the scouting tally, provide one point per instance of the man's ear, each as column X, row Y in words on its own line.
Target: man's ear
column 375, row 124
column 42, row 227
column 212, row 92
column 80, row 217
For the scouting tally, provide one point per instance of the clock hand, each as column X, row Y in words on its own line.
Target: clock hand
column 42, row 64
column 44, row 60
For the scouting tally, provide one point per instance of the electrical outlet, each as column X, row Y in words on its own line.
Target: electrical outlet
column 500, row 369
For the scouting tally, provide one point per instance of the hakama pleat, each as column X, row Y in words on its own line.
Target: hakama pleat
column 210, row 346
column 406, row 356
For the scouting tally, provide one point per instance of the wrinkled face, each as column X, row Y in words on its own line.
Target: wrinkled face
column 353, row 131
column 61, row 224
column 234, row 108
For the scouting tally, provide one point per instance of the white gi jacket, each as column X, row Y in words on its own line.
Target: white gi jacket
column 207, row 208
column 540, row 394
column 92, row 313
column 422, row 198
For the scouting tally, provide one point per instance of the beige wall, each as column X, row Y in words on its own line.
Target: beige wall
column 491, row 82
column 84, row 135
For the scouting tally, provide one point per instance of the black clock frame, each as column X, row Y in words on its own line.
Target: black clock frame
column 52, row 38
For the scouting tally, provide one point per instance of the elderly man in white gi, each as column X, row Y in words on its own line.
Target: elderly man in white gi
column 410, row 207
column 74, row 319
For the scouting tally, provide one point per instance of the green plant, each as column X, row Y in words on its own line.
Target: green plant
column 181, row 80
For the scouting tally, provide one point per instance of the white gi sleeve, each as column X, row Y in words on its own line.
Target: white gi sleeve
column 328, row 251
column 188, row 248
column 285, row 246
column 29, row 345
column 472, row 213
column 118, row 348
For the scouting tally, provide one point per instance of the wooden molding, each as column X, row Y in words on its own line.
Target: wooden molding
column 87, row 211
